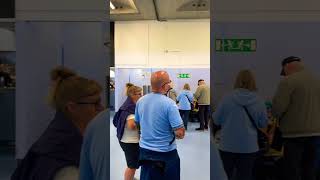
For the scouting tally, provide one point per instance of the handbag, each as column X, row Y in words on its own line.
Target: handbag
column 262, row 138
column 192, row 105
column 277, row 140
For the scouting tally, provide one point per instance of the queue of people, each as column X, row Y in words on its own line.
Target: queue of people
column 72, row 147
column 160, row 123
column 243, row 115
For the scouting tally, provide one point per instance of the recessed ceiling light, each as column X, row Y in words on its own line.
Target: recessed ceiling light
column 112, row 6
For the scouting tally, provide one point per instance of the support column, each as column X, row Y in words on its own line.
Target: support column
column 50, row 33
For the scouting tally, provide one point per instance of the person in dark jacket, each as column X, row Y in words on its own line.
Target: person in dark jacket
column 56, row 154
column 127, row 131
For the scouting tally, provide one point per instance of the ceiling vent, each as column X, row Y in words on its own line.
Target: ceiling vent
column 123, row 7
column 193, row 5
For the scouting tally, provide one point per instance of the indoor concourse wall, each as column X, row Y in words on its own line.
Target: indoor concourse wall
column 171, row 44
column 50, row 33
column 275, row 41
column 281, row 28
column 42, row 46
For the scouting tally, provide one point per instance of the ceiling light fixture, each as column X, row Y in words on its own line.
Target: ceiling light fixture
column 112, row 6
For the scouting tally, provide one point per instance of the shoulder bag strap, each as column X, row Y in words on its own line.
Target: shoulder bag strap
column 188, row 98
column 250, row 117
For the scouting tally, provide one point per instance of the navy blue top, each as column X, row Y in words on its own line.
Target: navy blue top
column 58, row 147
column 120, row 118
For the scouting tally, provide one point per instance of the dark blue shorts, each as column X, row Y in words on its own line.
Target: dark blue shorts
column 159, row 165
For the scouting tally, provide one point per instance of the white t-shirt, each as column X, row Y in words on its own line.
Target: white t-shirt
column 129, row 135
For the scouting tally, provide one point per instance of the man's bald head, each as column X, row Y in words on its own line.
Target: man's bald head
column 293, row 67
column 158, row 80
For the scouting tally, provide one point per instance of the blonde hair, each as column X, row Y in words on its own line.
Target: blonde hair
column 128, row 85
column 61, row 72
column 186, row 86
column 73, row 89
column 245, row 79
column 133, row 89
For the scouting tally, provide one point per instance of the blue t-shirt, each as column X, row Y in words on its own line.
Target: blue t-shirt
column 184, row 98
column 94, row 161
column 158, row 117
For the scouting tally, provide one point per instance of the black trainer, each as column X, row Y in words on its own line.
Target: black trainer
column 199, row 129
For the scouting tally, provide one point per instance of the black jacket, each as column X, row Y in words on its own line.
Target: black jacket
column 58, row 147
column 120, row 118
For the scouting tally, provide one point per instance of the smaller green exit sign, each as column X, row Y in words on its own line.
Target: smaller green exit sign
column 184, row 75
column 235, row 45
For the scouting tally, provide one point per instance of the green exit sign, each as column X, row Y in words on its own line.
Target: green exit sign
column 235, row 45
column 184, row 75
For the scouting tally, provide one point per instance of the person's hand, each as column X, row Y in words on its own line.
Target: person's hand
column 179, row 133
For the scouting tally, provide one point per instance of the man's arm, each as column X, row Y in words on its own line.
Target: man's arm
column 176, row 121
column 281, row 99
column 197, row 93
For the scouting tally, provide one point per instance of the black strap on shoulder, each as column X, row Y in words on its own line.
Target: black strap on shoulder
column 250, row 117
column 188, row 99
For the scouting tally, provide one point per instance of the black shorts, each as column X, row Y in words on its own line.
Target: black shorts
column 131, row 151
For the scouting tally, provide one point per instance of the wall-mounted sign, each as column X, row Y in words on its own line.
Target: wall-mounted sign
column 235, row 45
column 184, row 75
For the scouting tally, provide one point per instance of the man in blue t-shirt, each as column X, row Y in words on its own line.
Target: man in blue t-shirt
column 94, row 163
column 160, row 124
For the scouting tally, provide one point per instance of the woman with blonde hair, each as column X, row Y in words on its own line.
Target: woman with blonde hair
column 56, row 154
column 127, row 130
column 56, row 74
column 238, row 140
column 185, row 99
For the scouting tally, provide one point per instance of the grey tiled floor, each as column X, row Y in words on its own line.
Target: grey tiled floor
column 194, row 152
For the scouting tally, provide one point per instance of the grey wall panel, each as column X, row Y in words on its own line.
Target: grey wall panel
column 40, row 47
column 37, row 53
column 274, row 42
column 84, row 50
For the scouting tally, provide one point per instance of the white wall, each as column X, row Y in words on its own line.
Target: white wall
column 7, row 40
column 162, row 44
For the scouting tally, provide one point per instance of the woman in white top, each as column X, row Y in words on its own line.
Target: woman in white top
column 127, row 131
